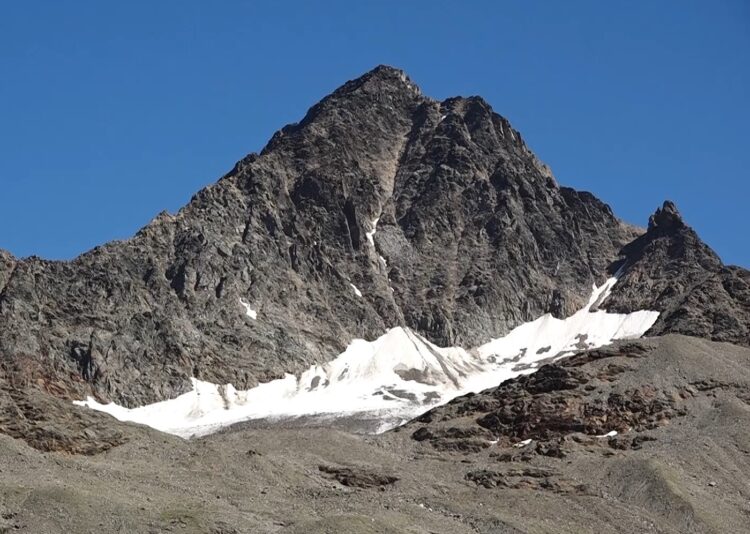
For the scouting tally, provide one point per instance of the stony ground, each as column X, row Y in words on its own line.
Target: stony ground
column 684, row 473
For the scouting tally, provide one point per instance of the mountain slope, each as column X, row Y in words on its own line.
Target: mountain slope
column 435, row 212
column 425, row 228
column 688, row 475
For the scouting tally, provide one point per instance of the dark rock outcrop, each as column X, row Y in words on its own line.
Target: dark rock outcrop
column 35, row 415
column 583, row 395
column 526, row 478
column 669, row 269
column 357, row 477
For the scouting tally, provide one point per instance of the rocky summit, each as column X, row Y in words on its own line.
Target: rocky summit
column 381, row 208
column 671, row 270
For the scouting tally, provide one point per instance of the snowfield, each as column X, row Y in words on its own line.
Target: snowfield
column 391, row 379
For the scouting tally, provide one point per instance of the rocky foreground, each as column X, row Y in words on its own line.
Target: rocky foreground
column 678, row 463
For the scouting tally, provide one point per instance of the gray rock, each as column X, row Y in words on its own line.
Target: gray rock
column 669, row 269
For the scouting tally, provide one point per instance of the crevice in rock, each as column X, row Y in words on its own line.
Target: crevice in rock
column 351, row 224
column 7, row 283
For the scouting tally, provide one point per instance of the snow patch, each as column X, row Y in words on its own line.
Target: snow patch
column 249, row 311
column 356, row 291
column 394, row 378
column 371, row 234
column 610, row 434
column 522, row 443
column 548, row 336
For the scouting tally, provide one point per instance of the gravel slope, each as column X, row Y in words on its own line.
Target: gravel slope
column 688, row 475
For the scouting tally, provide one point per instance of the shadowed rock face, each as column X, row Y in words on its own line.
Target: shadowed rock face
column 473, row 237
column 671, row 270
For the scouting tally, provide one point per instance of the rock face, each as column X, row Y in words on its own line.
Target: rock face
column 435, row 212
column 612, row 397
column 669, row 269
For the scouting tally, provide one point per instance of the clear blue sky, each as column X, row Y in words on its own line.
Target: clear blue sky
column 113, row 111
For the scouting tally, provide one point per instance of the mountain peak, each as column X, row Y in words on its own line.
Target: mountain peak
column 381, row 208
column 385, row 71
column 669, row 240
column 666, row 219
column 382, row 76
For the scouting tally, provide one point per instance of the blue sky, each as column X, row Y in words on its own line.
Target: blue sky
column 113, row 111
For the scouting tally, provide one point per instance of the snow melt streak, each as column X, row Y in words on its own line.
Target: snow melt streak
column 394, row 378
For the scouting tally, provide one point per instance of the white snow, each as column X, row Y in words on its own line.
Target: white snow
column 249, row 311
column 356, row 291
column 391, row 379
column 609, row 434
column 522, row 443
column 371, row 234
column 548, row 336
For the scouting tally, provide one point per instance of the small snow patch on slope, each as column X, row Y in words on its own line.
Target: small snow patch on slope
column 371, row 234
column 391, row 379
column 356, row 291
column 249, row 311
